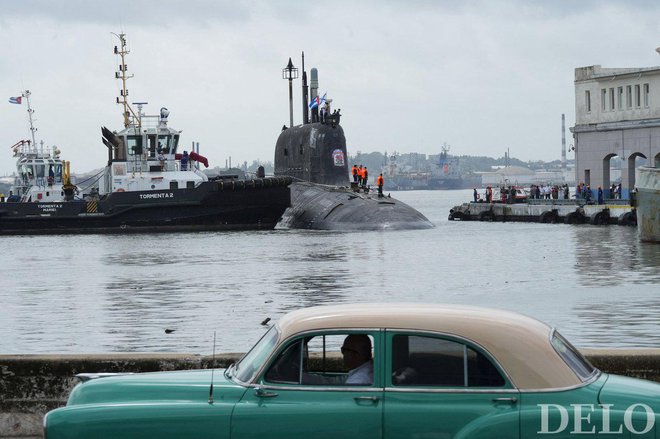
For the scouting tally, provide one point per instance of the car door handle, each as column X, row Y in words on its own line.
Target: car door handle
column 261, row 393
column 511, row 400
column 366, row 398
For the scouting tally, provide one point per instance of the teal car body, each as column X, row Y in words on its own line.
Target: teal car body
column 436, row 372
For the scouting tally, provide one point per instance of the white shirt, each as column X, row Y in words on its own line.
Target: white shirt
column 363, row 374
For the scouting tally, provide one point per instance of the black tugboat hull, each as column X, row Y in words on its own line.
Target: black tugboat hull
column 234, row 205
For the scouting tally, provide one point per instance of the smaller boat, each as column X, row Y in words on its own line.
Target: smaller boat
column 39, row 175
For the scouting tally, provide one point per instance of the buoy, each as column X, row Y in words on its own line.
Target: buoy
column 549, row 216
column 628, row 219
column 486, row 216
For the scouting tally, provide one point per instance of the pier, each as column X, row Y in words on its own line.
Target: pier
column 548, row 211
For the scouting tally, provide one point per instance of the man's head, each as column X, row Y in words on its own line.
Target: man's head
column 356, row 350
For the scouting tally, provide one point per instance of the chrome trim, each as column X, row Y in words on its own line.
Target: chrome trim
column 451, row 390
column 303, row 387
column 490, row 356
column 87, row 376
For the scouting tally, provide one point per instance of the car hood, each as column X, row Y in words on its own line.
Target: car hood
column 624, row 392
column 189, row 385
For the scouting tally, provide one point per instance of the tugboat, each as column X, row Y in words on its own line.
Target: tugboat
column 148, row 185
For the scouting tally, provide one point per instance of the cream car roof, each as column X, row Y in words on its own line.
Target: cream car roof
column 520, row 344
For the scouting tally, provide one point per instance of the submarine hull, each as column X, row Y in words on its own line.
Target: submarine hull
column 325, row 207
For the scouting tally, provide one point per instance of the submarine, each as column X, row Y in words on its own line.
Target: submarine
column 314, row 155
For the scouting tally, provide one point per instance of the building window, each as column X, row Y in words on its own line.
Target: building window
column 619, row 92
column 611, row 99
column 646, row 95
column 587, row 100
column 603, row 99
column 637, row 96
column 628, row 96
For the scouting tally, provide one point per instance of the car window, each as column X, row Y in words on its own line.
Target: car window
column 582, row 368
column 248, row 366
column 438, row 362
column 334, row 359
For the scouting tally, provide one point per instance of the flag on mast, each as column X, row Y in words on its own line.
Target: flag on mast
column 16, row 100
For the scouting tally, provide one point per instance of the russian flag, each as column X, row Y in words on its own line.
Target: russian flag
column 16, row 100
column 314, row 103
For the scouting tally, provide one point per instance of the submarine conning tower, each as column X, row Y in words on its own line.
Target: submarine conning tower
column 316, row 150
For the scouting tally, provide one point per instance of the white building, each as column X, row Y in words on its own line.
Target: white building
column 617, row 117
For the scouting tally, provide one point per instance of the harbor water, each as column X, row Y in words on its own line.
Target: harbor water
column 599, row 285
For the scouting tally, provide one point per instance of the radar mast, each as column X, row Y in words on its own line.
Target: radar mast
column 122, row 51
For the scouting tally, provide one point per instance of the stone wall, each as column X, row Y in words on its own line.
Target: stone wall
column 31, row 385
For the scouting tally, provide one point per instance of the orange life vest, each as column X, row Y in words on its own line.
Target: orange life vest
column 379, row 180
column 355, row 171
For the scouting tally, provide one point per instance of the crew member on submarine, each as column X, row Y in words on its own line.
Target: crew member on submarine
column 314, row 154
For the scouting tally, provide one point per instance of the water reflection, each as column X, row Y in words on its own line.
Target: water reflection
column 637, row 320
column 613, row 255
column 599, row 285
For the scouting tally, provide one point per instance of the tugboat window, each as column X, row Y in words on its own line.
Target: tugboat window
column 164, row 144
column 175, row 143
column 152, row 146
column 134, row 144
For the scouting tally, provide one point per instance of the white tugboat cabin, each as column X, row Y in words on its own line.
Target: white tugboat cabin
column 145, row 157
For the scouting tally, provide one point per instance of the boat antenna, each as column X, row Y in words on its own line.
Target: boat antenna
column 212, row 370
column 26, row 94
column 122, row 51
column 305, row 99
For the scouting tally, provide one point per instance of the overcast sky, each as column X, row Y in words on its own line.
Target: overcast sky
column 482, row 76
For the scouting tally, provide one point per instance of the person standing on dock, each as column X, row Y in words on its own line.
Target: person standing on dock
column 474, row 194
column 380, row 181
column 600, row 195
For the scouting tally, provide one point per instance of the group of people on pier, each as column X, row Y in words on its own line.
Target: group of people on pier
column 547, row 192
column 512, row 194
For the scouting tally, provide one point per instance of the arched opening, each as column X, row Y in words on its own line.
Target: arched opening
column 635, row 160
column 608, row 191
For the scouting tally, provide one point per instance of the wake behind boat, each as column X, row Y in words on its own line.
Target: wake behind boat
column 148, row 185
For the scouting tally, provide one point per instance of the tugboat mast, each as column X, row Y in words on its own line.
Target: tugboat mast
column 121, row 74
column 26, row 95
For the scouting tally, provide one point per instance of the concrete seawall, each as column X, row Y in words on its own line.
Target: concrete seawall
column 547, row 211
column 31, row 385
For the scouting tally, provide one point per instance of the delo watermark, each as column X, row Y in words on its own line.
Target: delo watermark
column 582, row 423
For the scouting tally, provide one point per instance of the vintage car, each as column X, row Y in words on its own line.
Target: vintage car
column 376, row 371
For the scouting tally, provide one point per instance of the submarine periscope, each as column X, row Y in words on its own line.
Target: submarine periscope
column 314, row 155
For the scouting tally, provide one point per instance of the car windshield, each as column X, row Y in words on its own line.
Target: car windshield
column 582, row 368
column 248, row 366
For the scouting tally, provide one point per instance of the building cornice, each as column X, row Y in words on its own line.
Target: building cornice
column 612, row 126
